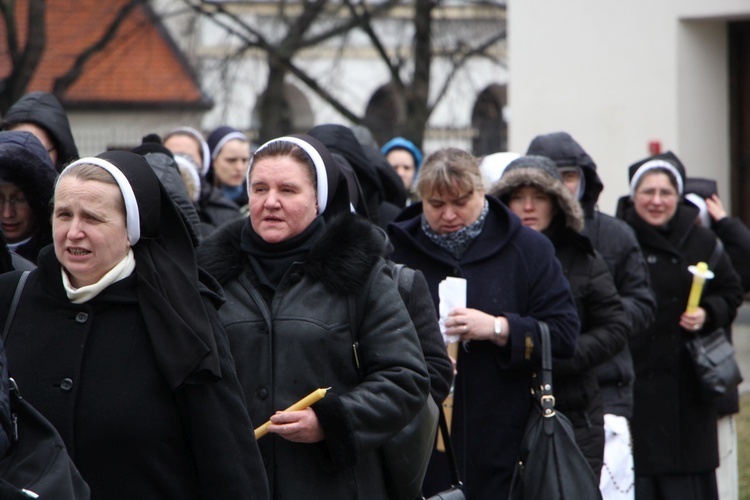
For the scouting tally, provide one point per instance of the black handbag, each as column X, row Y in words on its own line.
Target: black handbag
column 455, row 492
column 550, row 465
column 715, row 363
column 38, row 464
column 713, row 355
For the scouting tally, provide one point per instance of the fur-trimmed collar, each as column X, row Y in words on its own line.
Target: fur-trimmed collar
column 341, row 259
column 536, row 177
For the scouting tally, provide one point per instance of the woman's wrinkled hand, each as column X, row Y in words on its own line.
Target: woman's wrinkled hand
column 297, row 426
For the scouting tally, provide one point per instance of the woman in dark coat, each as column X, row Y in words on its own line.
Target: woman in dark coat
column 513, row 282
column 302, row 273
column 674, row 428
column 533, row 189
column 28, row 177
column 118, row 343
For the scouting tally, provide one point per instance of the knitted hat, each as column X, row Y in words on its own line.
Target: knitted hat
column 401, row 143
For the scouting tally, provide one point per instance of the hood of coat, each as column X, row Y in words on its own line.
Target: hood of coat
column 530, row 176
column 342, row 258
column 25, row 163
column 561, row 148
column 43, row 109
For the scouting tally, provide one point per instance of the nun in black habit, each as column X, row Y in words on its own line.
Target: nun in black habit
column 291, row 271
column 117, row 341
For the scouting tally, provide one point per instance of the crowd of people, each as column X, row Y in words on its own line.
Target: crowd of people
column 170, row 298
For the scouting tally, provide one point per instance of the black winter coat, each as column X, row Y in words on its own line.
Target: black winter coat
column 214, row 209
column 603, row 334
column 735, row 236
column 414, row 291
column 512, row 271
column 301, row 340
column 91, row 370
column 674, row 428
column 617, row 244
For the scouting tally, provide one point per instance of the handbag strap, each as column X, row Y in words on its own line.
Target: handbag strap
column 14, row 304
column 546, row 396
column 455, row 478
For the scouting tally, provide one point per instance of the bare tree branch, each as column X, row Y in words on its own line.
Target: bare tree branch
column 460, row 62
column 24, row 61
column 364, row 22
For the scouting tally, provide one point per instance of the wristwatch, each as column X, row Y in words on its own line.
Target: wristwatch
column 498, row 326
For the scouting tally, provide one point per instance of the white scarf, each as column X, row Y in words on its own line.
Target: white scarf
column 80, row 295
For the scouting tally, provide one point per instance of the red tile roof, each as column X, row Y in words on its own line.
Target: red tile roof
column 140, row 66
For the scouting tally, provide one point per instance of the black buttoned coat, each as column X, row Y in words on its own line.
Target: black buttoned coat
column 674, row 428
column 91, row 370
column 511, row 270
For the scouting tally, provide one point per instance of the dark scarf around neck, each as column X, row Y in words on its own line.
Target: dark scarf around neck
column 270, row 261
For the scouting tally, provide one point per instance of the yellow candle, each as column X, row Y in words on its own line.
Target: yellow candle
column 303, row 403
column 699, row 279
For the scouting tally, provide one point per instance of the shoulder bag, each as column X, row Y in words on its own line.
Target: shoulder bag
column 550, row 465
column 407, row 454
column 38, row 464
column 712, row 355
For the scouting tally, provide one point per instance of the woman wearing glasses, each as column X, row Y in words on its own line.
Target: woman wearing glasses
column 674, row 429
column 27, row 179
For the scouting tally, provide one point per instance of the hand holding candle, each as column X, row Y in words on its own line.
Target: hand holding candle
column 700, row 273
column 303, row 403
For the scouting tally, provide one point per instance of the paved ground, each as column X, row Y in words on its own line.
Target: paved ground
column 741, row 337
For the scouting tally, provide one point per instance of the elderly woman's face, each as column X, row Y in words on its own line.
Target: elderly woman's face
column 449, row 212
column 283, row 201
column 656, row 199
column 533, row 206
column 88, row 227
column 16, row 216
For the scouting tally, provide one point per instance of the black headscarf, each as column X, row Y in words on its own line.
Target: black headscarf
column 166, row 272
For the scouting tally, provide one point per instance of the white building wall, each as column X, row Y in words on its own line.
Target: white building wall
column 616, row 75
column 97, row 131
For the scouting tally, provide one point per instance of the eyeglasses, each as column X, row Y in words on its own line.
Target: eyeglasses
column 13, row 202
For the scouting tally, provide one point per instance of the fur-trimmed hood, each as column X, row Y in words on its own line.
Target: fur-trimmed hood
column 531, row 176
column 341, row 259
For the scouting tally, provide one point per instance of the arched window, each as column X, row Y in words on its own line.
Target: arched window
column 296, row 110
column 488, row 121
column 384, row 115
